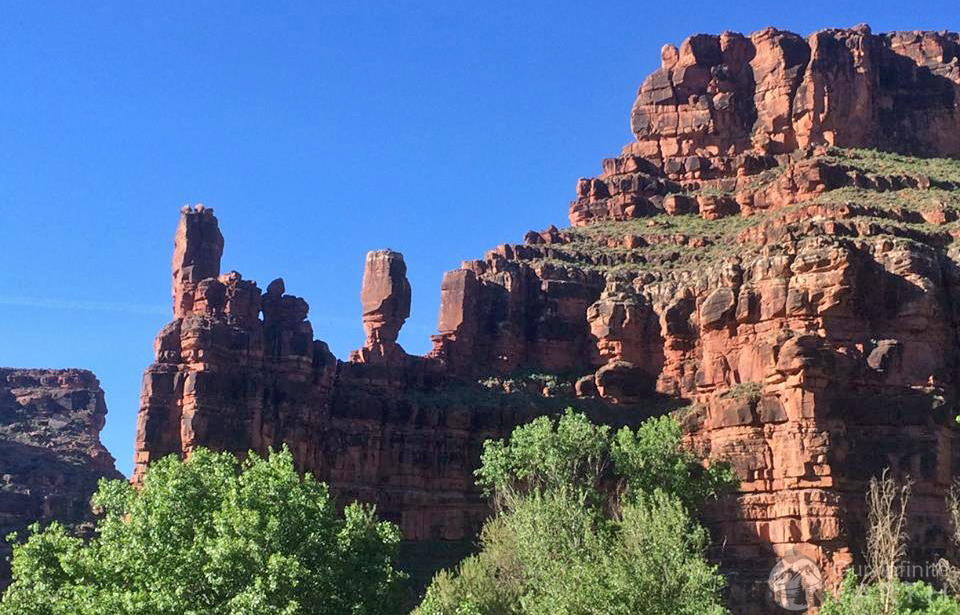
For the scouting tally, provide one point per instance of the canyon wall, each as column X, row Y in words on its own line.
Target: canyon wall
column 50, row 451
column 772, row 259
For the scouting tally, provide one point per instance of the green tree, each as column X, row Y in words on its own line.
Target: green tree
column 211, row 536
column 588, row 522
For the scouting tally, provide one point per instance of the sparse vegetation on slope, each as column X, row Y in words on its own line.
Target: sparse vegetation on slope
column 670, row 244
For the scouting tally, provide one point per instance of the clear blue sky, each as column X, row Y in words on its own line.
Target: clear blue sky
column 316, row 134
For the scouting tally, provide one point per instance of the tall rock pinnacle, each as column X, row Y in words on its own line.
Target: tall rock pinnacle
column 386, row 305
column 197, row 248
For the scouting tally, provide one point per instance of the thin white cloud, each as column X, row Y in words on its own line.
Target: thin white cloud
column 89, row 306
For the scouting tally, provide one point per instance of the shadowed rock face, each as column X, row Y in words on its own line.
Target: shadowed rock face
column 797, row 297
column 50, row 452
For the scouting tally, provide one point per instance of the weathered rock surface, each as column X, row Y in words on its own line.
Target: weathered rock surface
column 50, row 452
column 240, row 370
column 199, row 247
column 740, row 258
column 774, row 91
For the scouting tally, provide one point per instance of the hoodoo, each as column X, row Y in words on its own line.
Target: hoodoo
column 386, row 305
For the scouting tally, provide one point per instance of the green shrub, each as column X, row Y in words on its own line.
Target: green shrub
column 916, row 598
column 589, row 522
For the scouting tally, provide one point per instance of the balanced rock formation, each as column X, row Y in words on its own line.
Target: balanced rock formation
column 775, row 253
column 386, row 305
column 50, row 452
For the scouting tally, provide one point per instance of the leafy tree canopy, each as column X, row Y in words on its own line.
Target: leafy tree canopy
column 589, row 522
column 211, row 536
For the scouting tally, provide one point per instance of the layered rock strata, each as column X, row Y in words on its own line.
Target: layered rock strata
column 50, row 452
column 239, row 370
column 775, row 251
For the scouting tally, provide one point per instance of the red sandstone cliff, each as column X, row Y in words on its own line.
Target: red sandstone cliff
column 50, row 452
column 226, row 378
column 738, row 258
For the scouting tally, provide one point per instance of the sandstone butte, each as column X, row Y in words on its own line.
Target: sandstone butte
column 772, row 259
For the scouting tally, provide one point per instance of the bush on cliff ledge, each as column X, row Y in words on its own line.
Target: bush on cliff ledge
column 211, row 536
column 589, row 522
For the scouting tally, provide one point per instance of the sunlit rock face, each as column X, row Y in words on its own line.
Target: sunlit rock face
column 238, row 369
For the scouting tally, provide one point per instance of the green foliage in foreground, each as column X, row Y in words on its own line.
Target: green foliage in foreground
column 917, row 598
column 211, row 536
column 589, row 522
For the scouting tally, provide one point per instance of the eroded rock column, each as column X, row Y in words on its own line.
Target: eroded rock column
column 197, row 249
column 386, row 305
